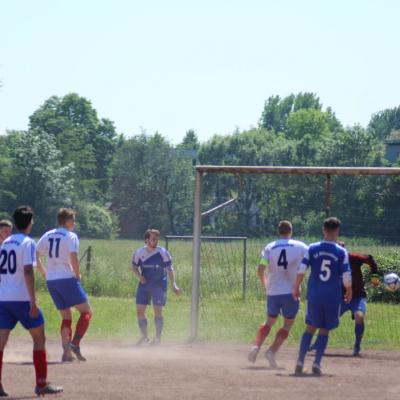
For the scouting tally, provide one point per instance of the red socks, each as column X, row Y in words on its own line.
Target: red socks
column 81, row 327
column 40, row 363
column 262, row 334
column 66, row 324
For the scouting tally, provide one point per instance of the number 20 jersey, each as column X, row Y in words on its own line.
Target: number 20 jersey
column 16, row 251
column 328, row 262
column 57, row 245
column 283, row 257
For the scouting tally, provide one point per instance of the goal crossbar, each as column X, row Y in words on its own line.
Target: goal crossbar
column 237, row 170
column 250, row 169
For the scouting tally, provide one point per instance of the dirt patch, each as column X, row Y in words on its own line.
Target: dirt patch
column 201, row 371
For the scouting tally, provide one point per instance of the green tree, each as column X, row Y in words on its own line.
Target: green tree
column 39, row 178
column 383, row 123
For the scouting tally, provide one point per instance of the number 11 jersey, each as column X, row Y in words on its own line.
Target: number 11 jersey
column 57, row 245
column 283, row 257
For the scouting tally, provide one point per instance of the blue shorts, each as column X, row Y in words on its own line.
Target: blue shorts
column 283, row 304
column 13, row 311
column 356, row 304
column 147, row 293
column 66, row 293
column 323, row 315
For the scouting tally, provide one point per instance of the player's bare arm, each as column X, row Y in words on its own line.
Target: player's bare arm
column 139, row 276
column 175, row 288
column 296, row 288
column 30, row 285
column 75, row 265
column 39, row 264
column 261, row 275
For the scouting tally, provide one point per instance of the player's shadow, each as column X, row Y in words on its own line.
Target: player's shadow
column 305, row 376
column 31, row 363
column 262, row 368
column 23, row 397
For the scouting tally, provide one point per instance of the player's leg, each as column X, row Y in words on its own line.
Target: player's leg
column 4, row 334
column 66, row 334
column 159, row 299
column 273, row 309
column 159, row 323
column 289, row 309
column 320, row 347
column 40, row 363
column 359, row 315
column 81, row 328
column 143, row 299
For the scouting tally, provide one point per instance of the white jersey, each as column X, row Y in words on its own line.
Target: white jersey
column 15, row 252
column 57, row 245
column 283, row 258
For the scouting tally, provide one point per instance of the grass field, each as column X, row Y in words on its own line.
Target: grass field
column 224, row 315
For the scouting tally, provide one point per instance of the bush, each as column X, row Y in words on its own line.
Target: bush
column 94, row 221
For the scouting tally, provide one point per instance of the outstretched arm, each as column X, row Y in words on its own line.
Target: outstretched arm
column 40, row 265
column 370, row 261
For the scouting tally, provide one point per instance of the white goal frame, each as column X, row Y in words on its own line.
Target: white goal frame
column 238, row 170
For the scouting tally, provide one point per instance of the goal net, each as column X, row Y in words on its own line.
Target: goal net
column 228, row 302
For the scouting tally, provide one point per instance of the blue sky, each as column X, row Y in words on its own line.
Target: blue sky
column 207, row 65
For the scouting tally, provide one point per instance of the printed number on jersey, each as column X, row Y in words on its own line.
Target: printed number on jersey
column 325, row 273
column 8, row 262
column 282, row 260
column 54, row 247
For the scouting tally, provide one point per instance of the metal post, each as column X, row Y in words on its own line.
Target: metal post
column 166, row 243
column 244, row 268
column 88, row 258
column 328, row 196
column 194, row 326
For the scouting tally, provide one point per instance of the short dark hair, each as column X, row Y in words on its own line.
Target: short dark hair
column 22, row 217
column 285, row 227
column 332, row 223
column 64, row 215
column 150, row 232
column 6, row 223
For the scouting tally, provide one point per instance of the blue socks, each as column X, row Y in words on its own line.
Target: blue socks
column 159, row 321
column 320, row 346
column 304, row 346
column 359, row 331
column 143, row 326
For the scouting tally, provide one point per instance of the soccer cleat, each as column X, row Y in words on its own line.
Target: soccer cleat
column 77, row 351
column 156, row 341
column 270, row 356
column 48, row 389
column 143, row 340
column 3, row 393
column 299, row 368
column 67, row 358
column 252, row 356
column 316, row 369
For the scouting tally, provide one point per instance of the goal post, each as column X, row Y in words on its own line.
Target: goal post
column 201, row 170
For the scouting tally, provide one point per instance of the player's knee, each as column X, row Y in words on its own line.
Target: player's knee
column 283, row 333
column 86, row 315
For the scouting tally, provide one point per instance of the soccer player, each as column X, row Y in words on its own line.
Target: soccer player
column 18, row 298
column 6, row 227
column 283, row 257
column 329, row 265
column 61, row 248
column 151, row 264
column 358, row 304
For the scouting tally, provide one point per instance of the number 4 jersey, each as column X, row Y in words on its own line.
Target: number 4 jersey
column 329, row 265
column 15, row 252
column 57, row 245
column 283, row 257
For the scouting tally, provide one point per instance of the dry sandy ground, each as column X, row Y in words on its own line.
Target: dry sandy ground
column 201, row 371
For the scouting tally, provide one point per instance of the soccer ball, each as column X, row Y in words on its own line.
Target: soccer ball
column 392, row 282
